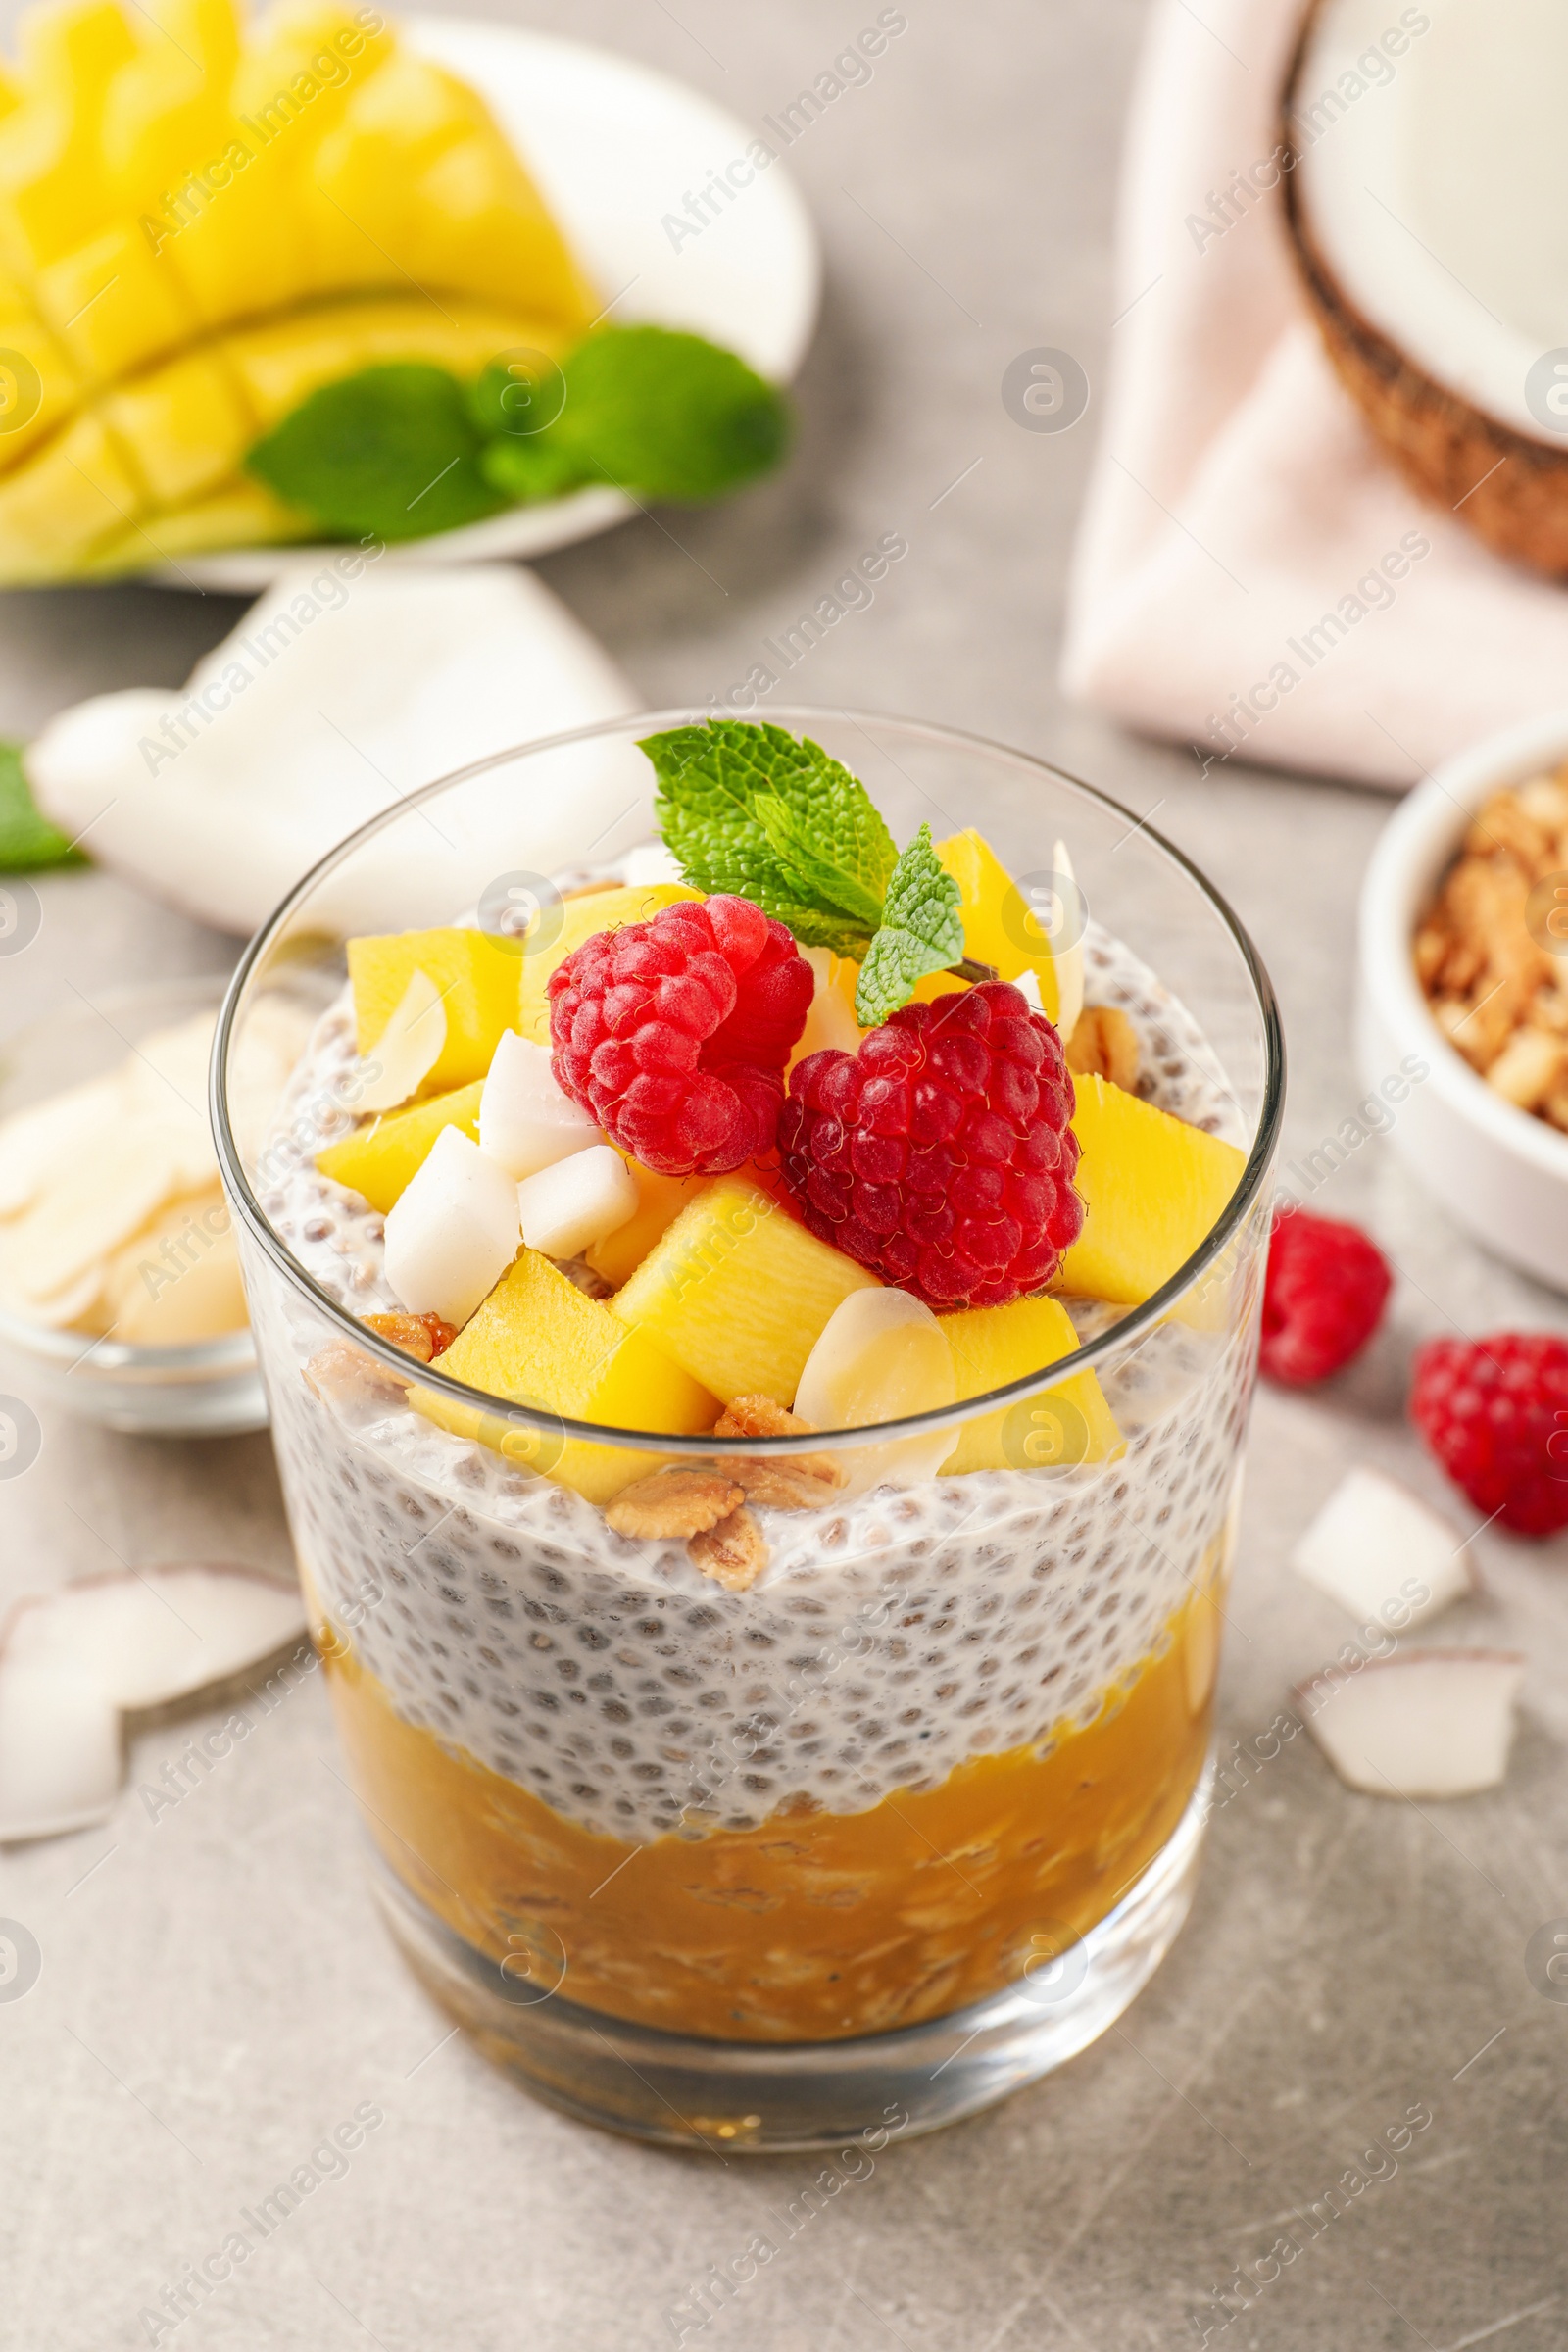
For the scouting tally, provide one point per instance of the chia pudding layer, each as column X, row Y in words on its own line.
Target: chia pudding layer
column 890, row 1640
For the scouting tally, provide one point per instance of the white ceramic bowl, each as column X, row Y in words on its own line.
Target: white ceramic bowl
column 1498, row 1172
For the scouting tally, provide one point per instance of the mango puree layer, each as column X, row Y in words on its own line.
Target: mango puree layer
column 814, row 1926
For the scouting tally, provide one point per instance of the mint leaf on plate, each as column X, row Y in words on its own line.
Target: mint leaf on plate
column 921, row 932
column 29, row 842
column 743, row 807
column 666, row 415
column 392, row 449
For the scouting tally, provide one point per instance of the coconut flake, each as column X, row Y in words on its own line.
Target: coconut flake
column 881, row 1356
column 1067, row 960
column 1382, row 1554
column 71, row 1661
column 48, row 1136
column 1436, row 1722
column 407, row 1047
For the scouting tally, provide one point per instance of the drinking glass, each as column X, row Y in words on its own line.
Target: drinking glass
column 910, row 1821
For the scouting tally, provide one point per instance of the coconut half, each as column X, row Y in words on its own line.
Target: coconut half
column 1427, row 208
column 73, row 1660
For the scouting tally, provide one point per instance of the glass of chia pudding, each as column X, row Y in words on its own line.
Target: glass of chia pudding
column 757, row 1278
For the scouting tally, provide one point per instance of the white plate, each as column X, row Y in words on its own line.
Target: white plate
column 614, row 147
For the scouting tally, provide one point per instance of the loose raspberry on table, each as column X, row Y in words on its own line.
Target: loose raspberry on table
column 673, row 1034
column 1323, row 1298
column 940, row 1154
column 1494, row 1411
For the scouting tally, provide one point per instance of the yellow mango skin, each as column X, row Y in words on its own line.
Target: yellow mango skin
column 538, row 1339
column 476, row 979
column 114, row 304
column 738, row 1293
column 1153, row 1190
column 596, row 910
column 382, row 1160
column 659, row 1202
column 992, row 1344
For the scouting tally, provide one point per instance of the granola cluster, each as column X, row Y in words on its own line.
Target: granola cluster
column 1492, row 951
column 708, row 1505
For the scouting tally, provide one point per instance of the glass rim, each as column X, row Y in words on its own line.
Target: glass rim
column 1134, row 1325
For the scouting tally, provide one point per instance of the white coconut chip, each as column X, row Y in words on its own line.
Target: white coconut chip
column 35, row 1142
column 453, row 1231
column 1068, row 956
column 1382, row 1554
column 578, row 1201
column 526, row 1121
column 1435, row 1723
column 407, row 1047
column 71, row 1661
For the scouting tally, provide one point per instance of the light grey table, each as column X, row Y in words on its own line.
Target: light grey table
column 216, row 1993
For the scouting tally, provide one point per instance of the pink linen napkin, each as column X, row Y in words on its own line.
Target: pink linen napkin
column 1251, row 575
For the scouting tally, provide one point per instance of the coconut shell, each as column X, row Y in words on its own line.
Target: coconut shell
column 1509, row 490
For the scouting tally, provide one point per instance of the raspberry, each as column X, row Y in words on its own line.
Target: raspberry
column 1322, row 1297
column 1495, row 1412
column 940, row 1154
column 673, row 1034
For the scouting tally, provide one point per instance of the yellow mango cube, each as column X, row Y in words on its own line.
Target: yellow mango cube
column 114, row 304
column 739, row 1293
column 998, row 928
column 659, row 1202
column 1153, row 1190
column 69, row 495
column 538, row 1339
column 476, row 979
column 238, row 514
column 994, row 1345
column 562, row 929
column 30, row 412
column 183, row 426
column 381, row 1159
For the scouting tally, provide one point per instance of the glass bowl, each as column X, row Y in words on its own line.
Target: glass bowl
column 908, row 1822
column 208, row 1389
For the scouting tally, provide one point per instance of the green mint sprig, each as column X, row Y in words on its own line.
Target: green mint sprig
column 29, row 842
column 404, row 449
column 748, row 809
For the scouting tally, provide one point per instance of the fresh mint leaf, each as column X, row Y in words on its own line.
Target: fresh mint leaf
column 27, row 840
column 666, row 415
column 922, row 931
column 747, row 807
column 392, row 449
column 524, row 472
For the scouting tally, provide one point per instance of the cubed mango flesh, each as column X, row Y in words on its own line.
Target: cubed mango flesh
column 1153, row 1189
column 382, row 1158
column 538, row 1339
column 476, row 979
column 739, row 1293
column 659, row 1202
column 994, row 1345
column 579, row 919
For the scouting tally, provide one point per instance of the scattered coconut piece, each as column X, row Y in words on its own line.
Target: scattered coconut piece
column 144, row 1639
column 1382, row 1554
column 454, row 1230
column 579, row 1201
column 71, row 1661
column 407, row 1047
column 60, row 1756
column 881, row 1356
column 1433, row 1723
column 526, row 1121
